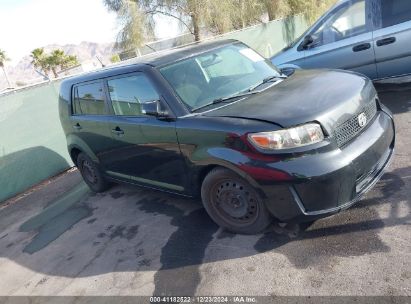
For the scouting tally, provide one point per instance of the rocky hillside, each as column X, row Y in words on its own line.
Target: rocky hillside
column 23, row 72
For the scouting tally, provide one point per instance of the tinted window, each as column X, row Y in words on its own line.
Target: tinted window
column 348, row 21
column 88, row 99
column 395, row 12
column 127, row 94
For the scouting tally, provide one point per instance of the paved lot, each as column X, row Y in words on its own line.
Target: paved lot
column 63, row 240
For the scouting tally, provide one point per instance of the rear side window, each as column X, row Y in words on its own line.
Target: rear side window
column 395, row 12
column 89, row 99
column 128, row 93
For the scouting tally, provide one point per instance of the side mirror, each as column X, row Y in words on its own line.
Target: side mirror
column 287, row 71
column 306, row 43
column 153, row 108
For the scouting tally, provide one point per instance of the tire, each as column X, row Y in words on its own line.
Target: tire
column 91, row 173
column 233, row 203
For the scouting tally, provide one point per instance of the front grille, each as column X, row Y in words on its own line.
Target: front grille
column 351, row 127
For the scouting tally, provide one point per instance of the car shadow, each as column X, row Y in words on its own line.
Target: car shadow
column 128, row 229
column 396, row 96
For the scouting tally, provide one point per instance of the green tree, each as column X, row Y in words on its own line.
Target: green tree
column 3, row 59
column 56, row 60
column 137, row 22
column 135, row 25
column 115, row 58
column 223, row 16
column 39, row 60
column 312, row 9
column 188, row 12
column 276, row 8
column 216, row 16
column 69, row 61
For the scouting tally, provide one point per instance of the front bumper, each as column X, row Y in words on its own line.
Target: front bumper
column 326, row 183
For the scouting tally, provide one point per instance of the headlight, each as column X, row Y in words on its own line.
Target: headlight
column 288, row 138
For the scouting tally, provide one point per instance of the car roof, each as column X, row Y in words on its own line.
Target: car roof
column 156, row 59
column 172, row 55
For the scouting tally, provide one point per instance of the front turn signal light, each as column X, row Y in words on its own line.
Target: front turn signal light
column 299, row 136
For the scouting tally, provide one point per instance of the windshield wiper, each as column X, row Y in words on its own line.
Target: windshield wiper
column 224, row 99
column 265, row 80
column 249, row 91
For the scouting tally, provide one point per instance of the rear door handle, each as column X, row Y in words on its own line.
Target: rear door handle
column 117, row 131
column 77, row 126
column 361, row 47
column 386, row 41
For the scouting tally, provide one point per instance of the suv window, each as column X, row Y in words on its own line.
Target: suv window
column 89, row 100
column 348, row 21
column 395, row 12
column 127, row 94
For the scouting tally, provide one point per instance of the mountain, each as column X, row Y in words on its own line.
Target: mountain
column 23, row 72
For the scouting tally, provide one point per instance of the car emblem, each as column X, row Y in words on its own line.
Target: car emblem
column 362, row 119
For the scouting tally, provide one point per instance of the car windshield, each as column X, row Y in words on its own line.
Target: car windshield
column 217, row 74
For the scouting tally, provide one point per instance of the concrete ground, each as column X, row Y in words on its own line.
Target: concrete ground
column 62, row 240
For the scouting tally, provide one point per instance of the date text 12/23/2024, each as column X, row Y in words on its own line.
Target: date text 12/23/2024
column 203, row 299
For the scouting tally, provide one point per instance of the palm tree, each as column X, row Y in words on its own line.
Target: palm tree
column 3, row 59
column 39, row 60
column 58, row 59
column 55, row 60
column 69, row 61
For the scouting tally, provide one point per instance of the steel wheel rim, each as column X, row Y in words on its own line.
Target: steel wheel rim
column 89, row 172
column 234, row 203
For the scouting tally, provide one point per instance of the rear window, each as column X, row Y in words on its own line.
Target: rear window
column 395, row 12
column 89, row 99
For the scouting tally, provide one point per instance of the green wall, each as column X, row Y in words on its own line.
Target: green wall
column 33, row 146
column 270, row 38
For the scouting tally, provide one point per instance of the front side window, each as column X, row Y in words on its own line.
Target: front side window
column 348, row 21
column 128, row 93
column 219, row 73
column 395, row 12
column 89, row 100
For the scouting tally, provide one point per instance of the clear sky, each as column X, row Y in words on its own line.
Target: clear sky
column 27, row 24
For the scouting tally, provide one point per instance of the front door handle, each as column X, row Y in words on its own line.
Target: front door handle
column 77, row 126
column 386, row 41
column 117, row 131
column 361, row 47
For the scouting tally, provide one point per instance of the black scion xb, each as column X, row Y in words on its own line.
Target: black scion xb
column 219, row 121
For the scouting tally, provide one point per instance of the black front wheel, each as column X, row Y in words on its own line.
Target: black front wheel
column 91, row 173
column 233, row 203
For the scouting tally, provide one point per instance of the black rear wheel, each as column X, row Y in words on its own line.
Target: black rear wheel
column 91, row 173
column 233, row 203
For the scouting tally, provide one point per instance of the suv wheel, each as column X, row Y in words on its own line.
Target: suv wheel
column 91, row 173
column 233, row 203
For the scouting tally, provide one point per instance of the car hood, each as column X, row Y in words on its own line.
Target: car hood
column 327, row 96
